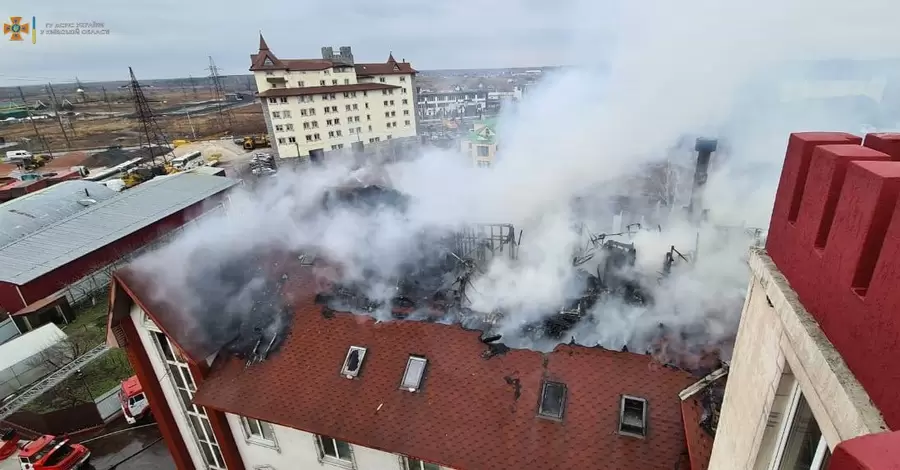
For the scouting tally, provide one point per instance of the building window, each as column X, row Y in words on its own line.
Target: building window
column 288, row 127
column 273, row 100
column 292, row 140
column 284, row 99
column 483, row 151
column 393, row 113
column 403, row 90
column 334, row 451
column 185, row 387
column 392, row 102
column 300, row 84
column 405, row 101
column 633, row 416
column 276, row 115
column 258, row 431
column 282, row 140
column 312, row 111
column 303, row 112
column 415, row 369
column 553, row 400
column 321, row 82
column 368, row 117
column 338, row 133
column 803, row 446
column 406, row 112
column 329, row 122
column 402, row 79
column 367, row 105
column 331, row 134
column 347, row 108
column 334, row 82
column 355, row 106
column 337, row 121
column 346, row 81
column 385, row 102
column 309, row 137
column 406, row 122
column 279, row 128
column 410, row 463
column 306, row 125
column 286, row 114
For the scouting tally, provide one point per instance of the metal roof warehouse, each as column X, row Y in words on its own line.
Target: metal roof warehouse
column 45, row 261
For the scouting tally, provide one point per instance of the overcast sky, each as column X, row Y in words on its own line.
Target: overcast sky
column 168, row 38
column 173, row 38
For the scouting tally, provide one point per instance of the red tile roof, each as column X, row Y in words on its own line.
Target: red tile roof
column 313, row 90
column 699, row 442
column 471, row 411
column 395, row 68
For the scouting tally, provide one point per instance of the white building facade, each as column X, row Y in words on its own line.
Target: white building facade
column 317, row 105
column 261, row 445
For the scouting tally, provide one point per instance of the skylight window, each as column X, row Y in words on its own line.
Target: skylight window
column 553, row 400
column 633, row 416
column 353, row 361
column 412, row 377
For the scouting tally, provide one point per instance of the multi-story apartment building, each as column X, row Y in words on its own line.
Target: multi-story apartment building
column 815, row 378
column 315, row 105
column 452, row 105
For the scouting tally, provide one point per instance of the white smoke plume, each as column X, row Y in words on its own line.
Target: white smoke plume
column 589, row 131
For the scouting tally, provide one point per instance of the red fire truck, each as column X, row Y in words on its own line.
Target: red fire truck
column 44, row 453
column 134, row 403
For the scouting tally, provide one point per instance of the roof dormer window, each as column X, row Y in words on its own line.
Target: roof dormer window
column 633, row 416
column 353, row 361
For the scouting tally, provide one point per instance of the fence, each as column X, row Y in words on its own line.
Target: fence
column 108, row 405
column 77, row 418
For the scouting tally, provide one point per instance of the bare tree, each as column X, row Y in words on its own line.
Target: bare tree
column 665, row 183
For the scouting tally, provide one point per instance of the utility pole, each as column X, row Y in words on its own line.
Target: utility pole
column 56, row 107
column 219, row 93
column 37, row 133
column 190, row 123
column 193, row 85
column 105, row 98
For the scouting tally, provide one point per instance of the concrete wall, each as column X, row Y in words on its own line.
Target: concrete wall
column 779, row 344
column 835, row 234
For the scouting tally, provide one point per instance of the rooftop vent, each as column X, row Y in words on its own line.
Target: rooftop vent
column 353, row 361
column 412, row 377
column 553, row 400
column 633, row 417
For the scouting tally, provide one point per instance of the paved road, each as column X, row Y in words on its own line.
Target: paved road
column 149, row 453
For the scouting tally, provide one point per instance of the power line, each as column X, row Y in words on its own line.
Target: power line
column 56, row 108
column 153, row 134
column 37, row 133
column 219, row 93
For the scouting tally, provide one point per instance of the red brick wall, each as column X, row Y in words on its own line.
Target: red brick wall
column 835, row 234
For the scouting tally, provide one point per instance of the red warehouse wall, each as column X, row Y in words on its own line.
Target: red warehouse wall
column 61, row 277
column 835, row 234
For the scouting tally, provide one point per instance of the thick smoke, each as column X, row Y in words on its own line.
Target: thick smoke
column 610, row 128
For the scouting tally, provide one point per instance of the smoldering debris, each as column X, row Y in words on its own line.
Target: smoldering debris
column 243, row 310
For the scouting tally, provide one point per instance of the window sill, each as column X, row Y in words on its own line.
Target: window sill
column 337, row 462
column 263, row 443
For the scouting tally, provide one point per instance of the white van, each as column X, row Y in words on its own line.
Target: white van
column 17, row 155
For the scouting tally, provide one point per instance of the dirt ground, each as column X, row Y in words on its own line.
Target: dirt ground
column 93, row 127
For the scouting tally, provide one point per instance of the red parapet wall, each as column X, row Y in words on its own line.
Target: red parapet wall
column 871, row 452
column 835, row 235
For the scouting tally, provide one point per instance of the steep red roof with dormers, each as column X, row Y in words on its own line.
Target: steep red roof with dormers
column 471, row 411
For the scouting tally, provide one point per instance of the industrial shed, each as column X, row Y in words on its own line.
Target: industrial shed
column 73, row 257
column 20, row 364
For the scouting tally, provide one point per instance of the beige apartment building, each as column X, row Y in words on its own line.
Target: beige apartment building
column 316, row 105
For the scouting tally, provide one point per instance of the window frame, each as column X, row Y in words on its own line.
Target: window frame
column 645, row 410
column 405, row 464
column 362, row 357
column 414, row 358
column 260, row 439
column 562, row 404
column 333, row 460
